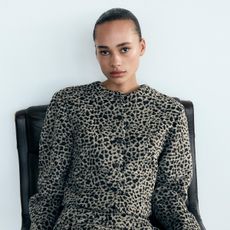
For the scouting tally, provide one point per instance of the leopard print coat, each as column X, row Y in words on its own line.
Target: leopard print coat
column 111, row 159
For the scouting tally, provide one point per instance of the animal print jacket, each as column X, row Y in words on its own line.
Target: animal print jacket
column 111, row 160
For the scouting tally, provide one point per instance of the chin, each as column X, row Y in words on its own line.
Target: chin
column 117, row 80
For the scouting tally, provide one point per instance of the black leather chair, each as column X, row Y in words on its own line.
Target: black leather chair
column 28, row 127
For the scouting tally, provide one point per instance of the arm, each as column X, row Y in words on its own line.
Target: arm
column 174, row 177
column 55, row 149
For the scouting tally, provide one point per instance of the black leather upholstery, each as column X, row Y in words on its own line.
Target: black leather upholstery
column 28, row 127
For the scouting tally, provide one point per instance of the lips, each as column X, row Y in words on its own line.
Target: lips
column 117, row 73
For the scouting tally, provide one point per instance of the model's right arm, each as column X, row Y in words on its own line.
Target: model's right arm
column 55, row 149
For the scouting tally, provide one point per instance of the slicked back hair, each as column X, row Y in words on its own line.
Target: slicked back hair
column 117, row 14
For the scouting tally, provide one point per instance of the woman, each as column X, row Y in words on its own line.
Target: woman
column 112, row 153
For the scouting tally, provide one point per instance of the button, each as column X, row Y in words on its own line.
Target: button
column 119, row 117
column 126, row 124
column 113, row 206
column 122, row 182
column 123, row 152
column 113, row 141
column 115, row 164
column 123, row 166
column 125, row 97
column 117, row 140
column 108, row 217
column 120, row 192
column 114, row 189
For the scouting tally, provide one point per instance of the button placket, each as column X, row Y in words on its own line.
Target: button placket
column 120, row 140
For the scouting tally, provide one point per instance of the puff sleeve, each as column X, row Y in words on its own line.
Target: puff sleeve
column 174, row 177
column 55, row 149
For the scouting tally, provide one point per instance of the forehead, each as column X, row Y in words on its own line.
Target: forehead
column 115, row 32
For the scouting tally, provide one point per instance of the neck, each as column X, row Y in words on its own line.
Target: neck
column 123, row 87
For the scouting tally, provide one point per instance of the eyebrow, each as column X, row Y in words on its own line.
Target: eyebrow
column 119, row 45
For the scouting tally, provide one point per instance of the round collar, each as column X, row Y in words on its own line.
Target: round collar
column 141, row 90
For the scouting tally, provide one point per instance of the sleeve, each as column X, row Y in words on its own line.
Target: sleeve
column 174, row 177
column 55, row 149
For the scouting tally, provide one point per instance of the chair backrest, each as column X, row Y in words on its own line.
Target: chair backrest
column 28, row 128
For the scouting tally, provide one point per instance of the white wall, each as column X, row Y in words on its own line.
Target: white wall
column 46, row 45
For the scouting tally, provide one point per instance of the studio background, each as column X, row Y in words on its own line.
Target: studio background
column 47, row 45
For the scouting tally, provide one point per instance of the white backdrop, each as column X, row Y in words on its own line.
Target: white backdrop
column 47, row 45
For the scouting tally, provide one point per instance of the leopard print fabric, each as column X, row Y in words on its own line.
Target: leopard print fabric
column 111, row 159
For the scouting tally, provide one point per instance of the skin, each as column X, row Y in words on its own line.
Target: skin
column 119, row 48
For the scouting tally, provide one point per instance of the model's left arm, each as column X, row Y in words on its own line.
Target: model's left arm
column 174, row 177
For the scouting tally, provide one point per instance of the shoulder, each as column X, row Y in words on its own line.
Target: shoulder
column 165, row 103
column 72, row 92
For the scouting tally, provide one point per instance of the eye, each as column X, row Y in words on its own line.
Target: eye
column 125, row 49
column 104, row 52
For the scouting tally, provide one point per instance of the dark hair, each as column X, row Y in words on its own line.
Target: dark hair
column 117, row 14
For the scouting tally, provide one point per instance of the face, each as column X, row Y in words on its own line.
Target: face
column 118, row 50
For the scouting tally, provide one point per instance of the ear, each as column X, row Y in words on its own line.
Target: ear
column 96, row 53
column 95, row 50
column 142, row 46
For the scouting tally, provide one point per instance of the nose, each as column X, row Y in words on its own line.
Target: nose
column 115, row 60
